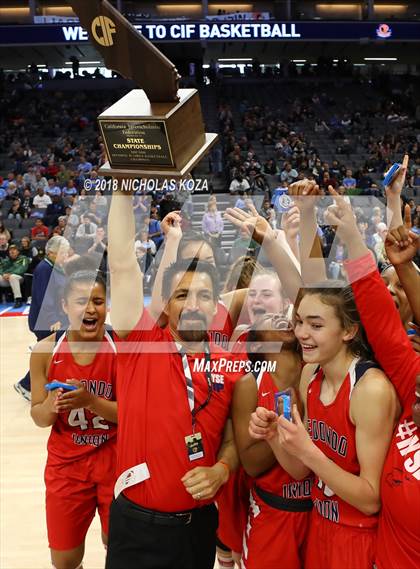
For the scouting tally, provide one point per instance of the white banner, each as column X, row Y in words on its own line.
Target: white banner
column 241, row 16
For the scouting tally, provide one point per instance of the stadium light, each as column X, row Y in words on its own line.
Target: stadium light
column 380, row 58
column 235, row 59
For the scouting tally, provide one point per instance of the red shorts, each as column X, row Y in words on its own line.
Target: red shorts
column 274, row 538
column 334, row 546
column 232, row 503
column 73, row 493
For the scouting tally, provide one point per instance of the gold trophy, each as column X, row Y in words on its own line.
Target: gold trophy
column 156, row 130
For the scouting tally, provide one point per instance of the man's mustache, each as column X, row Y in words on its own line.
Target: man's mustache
column 192, row 316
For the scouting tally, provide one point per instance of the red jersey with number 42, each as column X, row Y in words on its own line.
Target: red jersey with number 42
column 79, row 431
column 333, row 432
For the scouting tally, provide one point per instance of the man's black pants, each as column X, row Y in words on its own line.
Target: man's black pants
column 140, row 539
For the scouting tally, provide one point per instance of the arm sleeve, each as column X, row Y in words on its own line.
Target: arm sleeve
column 146, row 330
column 383, row 327
column 39, row 286
column 204, row 224
column 20, row 267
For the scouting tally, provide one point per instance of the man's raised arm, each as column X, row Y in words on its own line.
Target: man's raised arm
column 126, row 277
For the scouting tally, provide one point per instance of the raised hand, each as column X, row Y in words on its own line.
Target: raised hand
column 401, row 245
column 342, row 216
column 397, row 184
column 171, row 225
column 255, row 225
column 301, row 191
column 291, row 222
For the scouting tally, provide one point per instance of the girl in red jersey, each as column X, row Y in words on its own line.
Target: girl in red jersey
column 79, row 475
column 350, row 410
column 279, row 508
column 398, row 543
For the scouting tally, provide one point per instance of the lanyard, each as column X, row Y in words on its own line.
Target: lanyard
column 189, row 382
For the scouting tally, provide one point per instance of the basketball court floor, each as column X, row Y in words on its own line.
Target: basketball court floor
column 23, row 535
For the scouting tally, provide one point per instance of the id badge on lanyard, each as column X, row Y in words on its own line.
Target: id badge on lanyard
column 194, row 442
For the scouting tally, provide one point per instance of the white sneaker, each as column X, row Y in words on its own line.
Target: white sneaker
column 22, row 391
column 28, row 302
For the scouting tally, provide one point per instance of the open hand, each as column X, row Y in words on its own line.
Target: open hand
column 255, row 225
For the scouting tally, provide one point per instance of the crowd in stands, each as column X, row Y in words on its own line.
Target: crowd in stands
column 264, row 148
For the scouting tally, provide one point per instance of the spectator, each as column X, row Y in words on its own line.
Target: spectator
column 4, row 246
column 270, row 167
column 41, row 201
column 379, row 244
column 238, row 184
column 84, row 167
column 415, row 182
column 12, row 270
column 40, row 182
column 87, row 228
column 16, row 211
column 40, row 231
column 100, row 248
column 69, row 191
column 212, row 224
column 52, row 188
column 145, row 250
column 29, row 178
column 168, row 204
column 349, row 182
column 100, row 200
column 4, row 231
column 155, row 232
column 94, row 214
column 269, row 213
column 26, row 249
column 27, row 203
column 63, row 176
column 243, row 246
column 288, row 174
column 54, row 211
column 327, row 181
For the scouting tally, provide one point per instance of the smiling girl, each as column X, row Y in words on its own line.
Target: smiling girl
column 350, row 410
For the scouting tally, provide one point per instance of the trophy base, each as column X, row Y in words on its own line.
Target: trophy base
column 160, row 172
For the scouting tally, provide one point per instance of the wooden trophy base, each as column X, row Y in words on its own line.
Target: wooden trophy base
column 145, row 139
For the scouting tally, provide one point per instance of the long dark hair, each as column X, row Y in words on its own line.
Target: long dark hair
column 340, row 296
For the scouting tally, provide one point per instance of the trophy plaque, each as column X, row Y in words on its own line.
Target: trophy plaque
column 158, row 129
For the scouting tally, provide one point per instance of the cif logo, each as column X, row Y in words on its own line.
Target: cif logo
column 106, row 28
column 384, row 31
